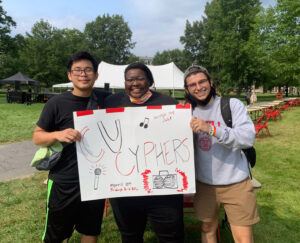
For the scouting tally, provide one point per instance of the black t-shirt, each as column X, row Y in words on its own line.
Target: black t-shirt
column 57, row 115
column 122, row 100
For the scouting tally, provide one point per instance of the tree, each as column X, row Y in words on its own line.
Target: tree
column 195, row 43
column 12, row 62
column 285, row 42
column 177, row 56
column 133, row 58
column 64, row 43
column 259, row 47
column 46, row 52
column 275, row 44
column 228, row 26
column 37, row 52
column 6, row 23
column 109, row 39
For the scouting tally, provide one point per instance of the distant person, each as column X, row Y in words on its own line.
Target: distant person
column 8, row 95
column 65, row 210
column 253, row 97
column 28, row 97
column 247, row 96
column 286, row 91
column 279, row 95
column 165, row 213
column 222, row 171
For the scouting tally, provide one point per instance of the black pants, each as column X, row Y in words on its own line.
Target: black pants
column 165, row 214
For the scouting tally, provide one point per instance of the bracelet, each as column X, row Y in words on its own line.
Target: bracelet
column 212, row 130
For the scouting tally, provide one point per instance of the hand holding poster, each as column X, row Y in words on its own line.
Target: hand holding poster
column 135, row 151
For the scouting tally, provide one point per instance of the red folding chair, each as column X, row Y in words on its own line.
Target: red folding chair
column 284, row 107
column 261, row 125
column 273, row 114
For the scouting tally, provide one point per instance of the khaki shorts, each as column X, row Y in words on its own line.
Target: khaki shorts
column 238, row 199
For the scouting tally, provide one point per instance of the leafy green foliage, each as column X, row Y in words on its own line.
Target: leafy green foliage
column 11, row 59
column 195, row 42
column 43, row 53
column 6, row 23
column 275, row 44
column 177, row 56
column 238, row 41
column 285, row 42
column 228, row 26
column 109, row 39
column 243, row 44
column 46, row 52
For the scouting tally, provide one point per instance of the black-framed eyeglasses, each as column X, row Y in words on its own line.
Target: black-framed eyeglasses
column 79, row 71
column 194, row 85
column 137, row 79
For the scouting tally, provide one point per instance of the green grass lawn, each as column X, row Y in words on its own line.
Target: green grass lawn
column 278, row 170
column 17, row 121
column 22, row 201
column 22, row 207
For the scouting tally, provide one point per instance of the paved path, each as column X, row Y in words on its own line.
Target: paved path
column 15, row 160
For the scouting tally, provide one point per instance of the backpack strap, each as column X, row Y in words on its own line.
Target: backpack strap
column 226, row 111
column 227, row 117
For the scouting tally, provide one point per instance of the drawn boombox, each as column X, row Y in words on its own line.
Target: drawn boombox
column 164, row 180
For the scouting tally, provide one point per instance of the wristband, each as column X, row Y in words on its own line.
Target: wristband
column 212, row 130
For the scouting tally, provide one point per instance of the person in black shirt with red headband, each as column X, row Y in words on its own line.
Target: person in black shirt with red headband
column 165, row 213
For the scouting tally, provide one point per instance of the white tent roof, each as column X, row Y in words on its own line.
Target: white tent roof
column 166, row 76
column 64, row 85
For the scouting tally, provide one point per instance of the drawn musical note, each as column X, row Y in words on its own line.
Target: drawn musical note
column 145, row 123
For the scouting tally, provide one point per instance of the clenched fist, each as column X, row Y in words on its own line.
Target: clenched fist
column 199, row 125
column 68, row 135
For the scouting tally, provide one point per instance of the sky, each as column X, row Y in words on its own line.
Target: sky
column 156, row 24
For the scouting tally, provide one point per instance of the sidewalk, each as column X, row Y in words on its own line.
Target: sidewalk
column 15, row 160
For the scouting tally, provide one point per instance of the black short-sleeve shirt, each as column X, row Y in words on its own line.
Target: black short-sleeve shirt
column 57, row 115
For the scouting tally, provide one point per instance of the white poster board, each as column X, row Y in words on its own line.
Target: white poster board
column 135, row 151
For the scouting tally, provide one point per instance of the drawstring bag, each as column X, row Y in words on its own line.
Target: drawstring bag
column 46, row 158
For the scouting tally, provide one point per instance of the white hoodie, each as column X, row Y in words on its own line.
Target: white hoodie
column 219, row 160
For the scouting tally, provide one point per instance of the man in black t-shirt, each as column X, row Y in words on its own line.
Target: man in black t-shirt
column 65, row 210
column 165, row 213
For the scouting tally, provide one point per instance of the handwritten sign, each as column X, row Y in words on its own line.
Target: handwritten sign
column 135, row 151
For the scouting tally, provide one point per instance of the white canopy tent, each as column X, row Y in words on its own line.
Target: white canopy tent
column 166, row 76
column 63, row 85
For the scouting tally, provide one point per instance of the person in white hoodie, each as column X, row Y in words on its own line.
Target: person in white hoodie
column 221, row 167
